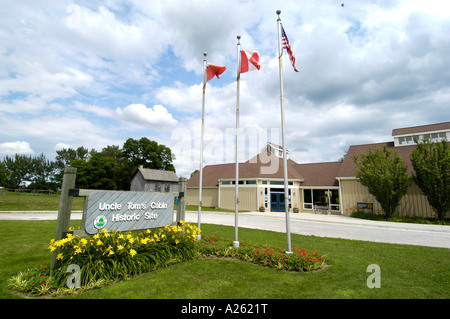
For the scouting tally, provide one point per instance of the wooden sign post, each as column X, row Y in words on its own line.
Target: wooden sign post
column 65, row 207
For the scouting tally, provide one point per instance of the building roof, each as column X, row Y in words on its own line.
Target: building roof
column 348, row 168
column 264, row 165
column 320, row 174
column 421, row 129
column 158, row 175
column 267, row 165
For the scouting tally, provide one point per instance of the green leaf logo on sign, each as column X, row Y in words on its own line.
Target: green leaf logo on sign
column 100, row 222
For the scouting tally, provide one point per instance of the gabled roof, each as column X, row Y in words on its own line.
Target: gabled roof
column 157, row 175
column 348, row 168
column 421, row 129
column 264, row 165
column 267, row 165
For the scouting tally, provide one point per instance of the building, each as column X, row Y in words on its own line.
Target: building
column 414, row 203
column 154, row 180
column 330, row 187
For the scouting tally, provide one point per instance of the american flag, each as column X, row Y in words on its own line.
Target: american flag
column 285, row 44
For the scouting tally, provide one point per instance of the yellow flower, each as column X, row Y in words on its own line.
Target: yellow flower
column 111, row 252
column 52, row 248
column 105, row 232
column 132, row 252
column 96, row 236
column 83, row 242
column 120, row 247
column 78, row 250
column 60, row 256
column 121, row 236
column 99, row 243
column 131, row 240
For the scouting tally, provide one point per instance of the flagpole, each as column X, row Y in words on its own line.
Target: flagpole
column 236, row 209
column 283, row 132
column 199, row 237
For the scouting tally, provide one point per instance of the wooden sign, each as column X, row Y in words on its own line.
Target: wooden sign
column 124, row 211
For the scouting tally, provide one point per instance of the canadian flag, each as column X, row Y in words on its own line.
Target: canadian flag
column 249, row 61
column 214, row 70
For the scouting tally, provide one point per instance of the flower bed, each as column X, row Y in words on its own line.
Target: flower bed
column 273, row 257
column 111, row 256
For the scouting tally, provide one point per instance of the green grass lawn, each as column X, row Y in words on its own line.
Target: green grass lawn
column 29, row 202
column 406, row 271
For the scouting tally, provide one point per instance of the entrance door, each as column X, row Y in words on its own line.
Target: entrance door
column 277, row 202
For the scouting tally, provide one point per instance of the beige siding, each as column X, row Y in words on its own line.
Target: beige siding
column 209, row 196
column 414, row 203
column 247, row 198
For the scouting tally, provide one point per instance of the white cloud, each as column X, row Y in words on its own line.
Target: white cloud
column 60, row 146
column 139, row 114
column 70, row 72
column 18, row 147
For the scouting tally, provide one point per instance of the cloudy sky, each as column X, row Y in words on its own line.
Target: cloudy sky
column 94, row 73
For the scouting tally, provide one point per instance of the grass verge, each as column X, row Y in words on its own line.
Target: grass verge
column 406, row 271
column 400, row 219
column 29, row 202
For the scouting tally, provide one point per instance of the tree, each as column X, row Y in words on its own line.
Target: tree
column 4, row 174
column 431, row 162
column 97, row 173
column 42, row 172
column 20, row 169
column 65, row 157
column 194, row 172
column 148, row 153
column 383, row 172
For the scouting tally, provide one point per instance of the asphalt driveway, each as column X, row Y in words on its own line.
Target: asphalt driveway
column 335, row 226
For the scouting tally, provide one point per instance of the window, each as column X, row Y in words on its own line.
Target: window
column 324, row 198
column 276, row 183
column 406, row 140
column 251, row 182
column 307, row 198
column 435, row 137
column 280, row 183
column 265, row 198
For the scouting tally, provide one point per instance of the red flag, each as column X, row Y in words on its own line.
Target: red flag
column 249, row 61
column 214, row 70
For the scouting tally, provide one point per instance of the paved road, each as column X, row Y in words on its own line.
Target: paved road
column 306, row 224
column 336, row 227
